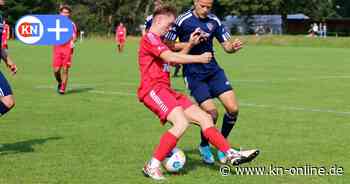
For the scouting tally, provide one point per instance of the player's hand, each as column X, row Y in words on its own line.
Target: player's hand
column 237, row 45
column 195, row 37
column 206, row 57
column 72, row 45
column 13, row 68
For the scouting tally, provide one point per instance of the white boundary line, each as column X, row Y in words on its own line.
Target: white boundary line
column 242, row 103
column 292, row 108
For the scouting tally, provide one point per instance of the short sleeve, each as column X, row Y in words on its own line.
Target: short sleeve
column 221, row 33
column 148, row 22
column 172, row 34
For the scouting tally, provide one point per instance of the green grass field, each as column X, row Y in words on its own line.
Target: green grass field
column 294, row 106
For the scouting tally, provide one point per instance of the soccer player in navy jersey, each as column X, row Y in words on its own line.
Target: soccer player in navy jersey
column 7, row 100
column 156, row 94
column 207, row 81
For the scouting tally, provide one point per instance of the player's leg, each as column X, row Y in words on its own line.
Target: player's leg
column 56, row 65
column 7, row 101
column 65, row 74
column 167, row 143
column 67, row 62
column 220, row 87
column 230, row 103
column 204, row 120
column 201, row 93
column 163, row 102
column 122, row 44
column 119, row 45
column 57, row 75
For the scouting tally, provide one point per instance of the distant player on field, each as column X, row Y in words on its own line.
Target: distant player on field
column 208, row 81
column 7, row 100
column 4, row 47
column 62, row 55
column 157, row 95
column 120, row 37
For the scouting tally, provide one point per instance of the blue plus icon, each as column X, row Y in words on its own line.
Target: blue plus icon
column 58, row 30
column 44, row 29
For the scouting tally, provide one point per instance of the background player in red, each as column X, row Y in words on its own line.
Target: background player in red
column 7, row 101
column 4, row 47
column 5, row 34
column 120, row 36
column 62, row 55
column 157, row 95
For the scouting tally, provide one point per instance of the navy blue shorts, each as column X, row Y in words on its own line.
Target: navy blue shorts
column 210, row 87
column 5, row 88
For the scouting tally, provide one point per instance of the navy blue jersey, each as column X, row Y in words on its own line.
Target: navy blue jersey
column 148, row 22
column 187, row 23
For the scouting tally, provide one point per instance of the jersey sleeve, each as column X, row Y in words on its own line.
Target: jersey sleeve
column 221, row 34
column 173, row 33
column 148, row 22
column 154, row 45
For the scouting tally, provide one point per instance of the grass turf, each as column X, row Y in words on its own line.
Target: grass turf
column 294, row 106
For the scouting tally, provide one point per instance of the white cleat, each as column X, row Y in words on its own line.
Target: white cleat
column 240, row 157
column 154, row 173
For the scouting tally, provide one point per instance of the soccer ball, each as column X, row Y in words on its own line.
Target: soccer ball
column 175, row 161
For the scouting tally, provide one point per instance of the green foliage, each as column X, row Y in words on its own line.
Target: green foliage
column 102, row 16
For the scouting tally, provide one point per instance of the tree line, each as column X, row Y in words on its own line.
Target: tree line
column 101, row 16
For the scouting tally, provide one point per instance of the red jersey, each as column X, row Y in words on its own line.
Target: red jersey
column 154, row 71
column 68, row 46
column 5, row 33
column 120, row 32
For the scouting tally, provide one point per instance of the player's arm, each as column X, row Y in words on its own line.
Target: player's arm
column 180, row 58
column 8, row 61
column 195, row 38
column 224, row 38
column 75, row 33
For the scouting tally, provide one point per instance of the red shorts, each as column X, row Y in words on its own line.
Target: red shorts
column 121, row 41
column 162, row 101
column 62, row 59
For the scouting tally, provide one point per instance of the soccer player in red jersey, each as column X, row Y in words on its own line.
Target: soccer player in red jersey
column 5, row 35
column 157, row 95
column 4, row 47
column 120, row 37
column 62, row 55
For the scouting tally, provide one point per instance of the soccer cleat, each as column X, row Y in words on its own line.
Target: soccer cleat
column 154, row 173
column 221, row 157
column 62, row 89
column 241, row 157
column 206, row 154
column 249, row 154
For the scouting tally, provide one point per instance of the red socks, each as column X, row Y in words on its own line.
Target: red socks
column 167, row 143
column 216, row 139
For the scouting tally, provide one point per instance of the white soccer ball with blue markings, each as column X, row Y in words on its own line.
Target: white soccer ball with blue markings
column 175, row 161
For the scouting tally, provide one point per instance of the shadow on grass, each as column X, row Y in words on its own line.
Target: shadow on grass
column 23, row 146
column 79, row 90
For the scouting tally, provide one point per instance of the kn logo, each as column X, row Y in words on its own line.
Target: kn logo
column 44, row 29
